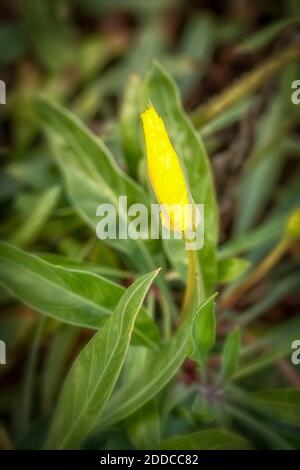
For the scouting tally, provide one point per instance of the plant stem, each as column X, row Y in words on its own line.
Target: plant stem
column 257, row 274
column 249, row 83
column 190, row 286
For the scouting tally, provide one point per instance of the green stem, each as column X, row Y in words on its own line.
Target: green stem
column 190, row 287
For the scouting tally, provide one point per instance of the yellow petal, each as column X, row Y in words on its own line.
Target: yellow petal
column 166, row 175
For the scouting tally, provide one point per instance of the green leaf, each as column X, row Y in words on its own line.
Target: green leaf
column 205, row 410
column 263, row 165
column 130, row 123
column 77, row 297
column 229, row 269
column 264, row 36
column 55, row 363
column 269, row 231
column 49, row 33
column 158, row 371
column 275, row 344
column 200, row 30
column 250, row 422
column 160, row 366
column 29, row 379
column 143, row 427
column 228, row 117
column 204, row 331
column 12, row 41
column 281, row 403
column 211, row 439
column 231, row 354
column 161, row 90
column 34, row 172
column 37, row 218
column 281, row 287
column 91, row 175
column 93, row 375
column 75, row 264
column 88, row 154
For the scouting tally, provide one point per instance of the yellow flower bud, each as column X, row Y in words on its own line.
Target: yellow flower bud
column 293, row 225
column 166, row 175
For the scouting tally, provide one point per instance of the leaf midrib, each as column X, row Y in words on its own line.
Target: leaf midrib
column 58, row 286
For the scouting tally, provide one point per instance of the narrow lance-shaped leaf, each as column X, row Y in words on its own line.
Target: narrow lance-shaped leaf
column 282, row 404
column 274, row 345
column 130, row 123
column 267, row 232
column 58, row 354
column 37, row 218
column 77, row 297
column 204, row 332
column 229, row 269
column 143, row 427
column 231, row 354
column 265, row 163
column 95, row 371
column 158, row 370
column 75, row 264
column 264, row 36
column 211, row 439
